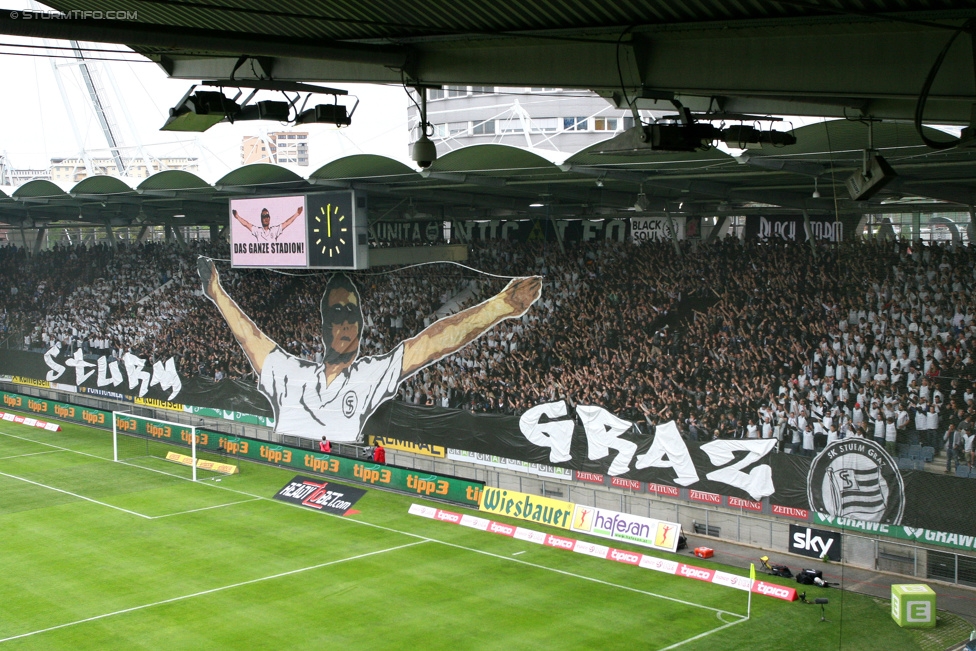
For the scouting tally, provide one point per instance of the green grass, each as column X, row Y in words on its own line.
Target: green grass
column 102, row 555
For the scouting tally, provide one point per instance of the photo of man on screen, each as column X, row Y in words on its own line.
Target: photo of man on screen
column 266, row 232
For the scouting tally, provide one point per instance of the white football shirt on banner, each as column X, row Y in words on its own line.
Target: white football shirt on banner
column 304, row 406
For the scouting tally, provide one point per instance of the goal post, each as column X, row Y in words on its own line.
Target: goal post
column 133, row 431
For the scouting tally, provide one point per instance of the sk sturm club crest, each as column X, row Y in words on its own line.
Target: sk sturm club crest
column 856, row 479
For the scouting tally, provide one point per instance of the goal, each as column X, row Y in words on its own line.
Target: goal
column 138, row 437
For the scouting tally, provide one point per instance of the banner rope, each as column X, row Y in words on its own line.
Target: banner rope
column 376, row 273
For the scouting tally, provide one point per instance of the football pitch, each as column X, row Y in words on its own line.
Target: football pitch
column 102, row 555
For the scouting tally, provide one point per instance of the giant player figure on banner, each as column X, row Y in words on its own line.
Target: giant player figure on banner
column 334, row 398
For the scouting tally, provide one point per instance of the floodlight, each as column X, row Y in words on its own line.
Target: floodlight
column 200, row 111
column 266, row 110
column 326, row 113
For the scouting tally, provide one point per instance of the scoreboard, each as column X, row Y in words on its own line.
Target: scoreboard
column 322, row 230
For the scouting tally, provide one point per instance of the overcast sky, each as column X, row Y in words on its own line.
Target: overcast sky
column 35, row 124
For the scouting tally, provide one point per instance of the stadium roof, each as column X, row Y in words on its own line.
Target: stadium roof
column 498, row 181
column 845, row 58
column 788, row 57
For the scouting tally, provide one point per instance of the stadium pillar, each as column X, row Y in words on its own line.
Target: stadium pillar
column 143, row 233
column 23, row 239
column 559, row 237
column 717, row 228
column 674, row 234
column 110, row 235
column 39, row 240
column 178, row 233
column 809, row 232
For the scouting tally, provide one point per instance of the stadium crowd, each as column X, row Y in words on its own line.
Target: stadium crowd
column 729, row 339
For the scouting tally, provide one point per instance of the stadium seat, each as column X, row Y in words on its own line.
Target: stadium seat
column 914, row 451
column 906, row 464
column 903, row 450
column 928, row 453
column 962, row 471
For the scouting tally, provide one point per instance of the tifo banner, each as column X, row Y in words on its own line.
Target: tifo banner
column 131, row 378
column 542, row 230
column 523, row 506
column 793, row 229
column 319, row 495
column 395, row 232
column 609, row 553
column 614, row 525
column 652, row 229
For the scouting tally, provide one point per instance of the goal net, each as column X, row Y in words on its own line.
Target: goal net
column 159, row 441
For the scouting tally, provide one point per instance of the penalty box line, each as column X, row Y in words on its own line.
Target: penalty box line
column 423, row 538
column 29, row 454
column 94, row 501
column 211, row 591
column 80, row 497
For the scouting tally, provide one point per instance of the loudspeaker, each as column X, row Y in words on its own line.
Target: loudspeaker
column 863, row 186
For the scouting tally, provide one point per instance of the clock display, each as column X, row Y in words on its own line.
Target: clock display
column 331, row 231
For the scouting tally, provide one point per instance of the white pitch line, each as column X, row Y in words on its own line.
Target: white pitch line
column 426, row 538
column 205, row 508
column 30, row 454
column 705, row 634
column 80, row 497
column 61, row 449
column 210, row 591
column 57, row 447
